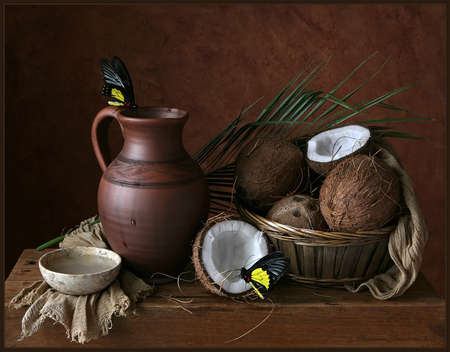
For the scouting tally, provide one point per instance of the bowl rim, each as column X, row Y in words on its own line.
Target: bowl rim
column 46, row 255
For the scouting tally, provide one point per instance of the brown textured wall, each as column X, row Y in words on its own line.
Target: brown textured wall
column 211, row 60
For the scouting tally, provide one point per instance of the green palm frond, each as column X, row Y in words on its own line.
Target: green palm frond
column 296, row 112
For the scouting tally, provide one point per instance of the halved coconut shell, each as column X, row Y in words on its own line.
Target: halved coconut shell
column 220, row 251
column 326, row 149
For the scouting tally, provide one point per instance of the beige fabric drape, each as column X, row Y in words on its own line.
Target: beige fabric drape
column 84, row 317
column 406, row 242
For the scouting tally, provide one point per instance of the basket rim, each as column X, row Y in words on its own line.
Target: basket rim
column 311, row 237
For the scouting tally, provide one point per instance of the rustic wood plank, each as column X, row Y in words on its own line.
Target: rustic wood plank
column 26, row 270
column 302, row 317
column 210, row 326
column 285, row 292
column 27, row 266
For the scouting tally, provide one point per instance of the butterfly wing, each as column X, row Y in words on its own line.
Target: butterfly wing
column 116, row 95
column 276, row 268
column 122, row 71
column 117, row 83
column 266, row 272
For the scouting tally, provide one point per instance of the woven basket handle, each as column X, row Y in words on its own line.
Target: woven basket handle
column 99, row 134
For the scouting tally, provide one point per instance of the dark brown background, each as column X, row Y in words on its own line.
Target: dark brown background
column 212, row 60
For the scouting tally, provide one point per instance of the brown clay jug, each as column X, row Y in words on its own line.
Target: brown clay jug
column 153, row 196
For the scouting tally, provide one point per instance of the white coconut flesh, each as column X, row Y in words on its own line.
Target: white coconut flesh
column 227, row 247
column 337, row 143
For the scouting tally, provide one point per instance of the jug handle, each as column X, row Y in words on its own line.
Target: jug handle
column 99, row 134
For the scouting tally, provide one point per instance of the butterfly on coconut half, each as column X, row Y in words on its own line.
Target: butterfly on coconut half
column 266, row 272
column 117, row 83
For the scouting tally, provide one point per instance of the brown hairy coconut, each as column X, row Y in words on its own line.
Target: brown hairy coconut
column 267, row 170
column 221, row 249
column 298, row 211
column 326, row 149
column 360, row 193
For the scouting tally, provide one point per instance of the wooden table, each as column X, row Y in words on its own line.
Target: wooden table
column 302, row 317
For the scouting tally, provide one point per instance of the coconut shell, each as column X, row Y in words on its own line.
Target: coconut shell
column 360, row 193
column 298, row 211
column 323, row 168
column 200, row 271
column 268, row 170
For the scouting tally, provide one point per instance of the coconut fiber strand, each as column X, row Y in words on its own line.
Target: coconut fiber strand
column 84, row 317
column 406, row 242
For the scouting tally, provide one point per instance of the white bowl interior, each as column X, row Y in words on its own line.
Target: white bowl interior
column 80, row 260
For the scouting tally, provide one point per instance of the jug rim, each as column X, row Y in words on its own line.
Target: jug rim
column 154, row 113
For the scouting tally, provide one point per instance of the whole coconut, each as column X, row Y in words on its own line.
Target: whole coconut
column 360, row 193
column 298, row 211
column 266, row 171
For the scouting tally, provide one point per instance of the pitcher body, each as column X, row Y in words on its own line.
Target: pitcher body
column 153, row 197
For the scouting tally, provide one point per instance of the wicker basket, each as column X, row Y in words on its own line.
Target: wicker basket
column 321, row 258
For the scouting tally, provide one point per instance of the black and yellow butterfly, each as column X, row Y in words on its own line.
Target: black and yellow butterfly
column 266, row 272
column 117, row 83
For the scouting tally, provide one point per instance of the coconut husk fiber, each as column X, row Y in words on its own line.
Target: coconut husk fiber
column 267, row 170
column 360, row 193
column 84, row 317
column 406, row 242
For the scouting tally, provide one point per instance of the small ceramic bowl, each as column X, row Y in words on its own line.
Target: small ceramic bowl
column 80, row 270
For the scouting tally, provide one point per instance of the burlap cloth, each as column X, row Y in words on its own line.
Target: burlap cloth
column 406, row 242
column 83, row 317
